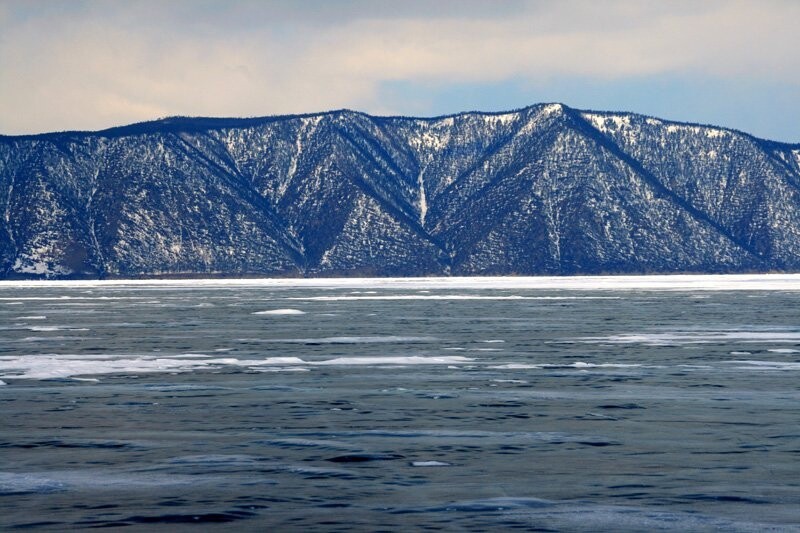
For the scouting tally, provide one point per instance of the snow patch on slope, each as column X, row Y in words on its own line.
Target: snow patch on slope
column 432, row 139
column 608, row 123
column 37, row 265
column 500, row 120
column 713, row 133
column 683, row 128
column 549, row 109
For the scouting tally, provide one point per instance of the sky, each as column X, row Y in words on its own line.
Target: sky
column 94, row 64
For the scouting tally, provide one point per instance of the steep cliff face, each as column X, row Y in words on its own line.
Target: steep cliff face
column 543, row 190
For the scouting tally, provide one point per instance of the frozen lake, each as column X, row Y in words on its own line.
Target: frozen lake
column 581, row 404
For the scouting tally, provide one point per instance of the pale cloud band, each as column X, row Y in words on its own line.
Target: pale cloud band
column 91, row 65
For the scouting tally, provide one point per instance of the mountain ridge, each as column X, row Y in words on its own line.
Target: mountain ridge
column 545, row 189
column 175, row 121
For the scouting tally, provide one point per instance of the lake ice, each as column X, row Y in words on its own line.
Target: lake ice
column 650, row 403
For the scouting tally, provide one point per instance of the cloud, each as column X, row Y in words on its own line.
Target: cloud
column 97, row 64
column 606, row 40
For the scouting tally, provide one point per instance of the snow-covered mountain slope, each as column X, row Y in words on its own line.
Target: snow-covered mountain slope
column 542, row 190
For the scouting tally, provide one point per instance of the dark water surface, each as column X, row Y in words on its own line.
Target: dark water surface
column 398, row 408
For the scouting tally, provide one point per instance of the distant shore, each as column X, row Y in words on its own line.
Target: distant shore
column 657, row 282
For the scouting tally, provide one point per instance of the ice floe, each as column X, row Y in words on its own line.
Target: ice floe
column 668, row 338
column 430, row 463
column 57, row 481
column 280, row 312
column 69, row 366
column 766, row 365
